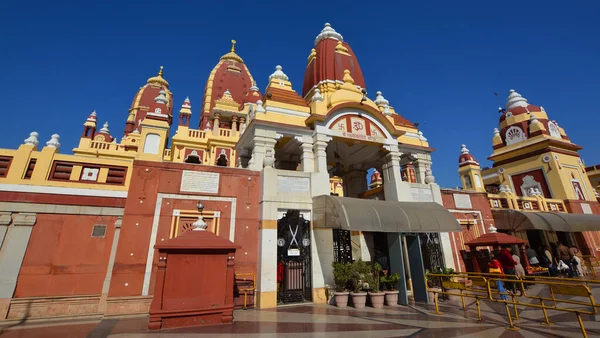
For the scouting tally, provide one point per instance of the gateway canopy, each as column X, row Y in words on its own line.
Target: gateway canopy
column 514, row 220
column 381, row 216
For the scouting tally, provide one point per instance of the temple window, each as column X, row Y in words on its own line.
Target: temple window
column 468, row 183
column 151, row 144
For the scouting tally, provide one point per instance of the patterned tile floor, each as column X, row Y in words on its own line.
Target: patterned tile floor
column 328, row 321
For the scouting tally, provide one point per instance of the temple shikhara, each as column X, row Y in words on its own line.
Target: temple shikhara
column 296, row 175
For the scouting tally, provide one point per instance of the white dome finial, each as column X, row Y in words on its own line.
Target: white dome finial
column 492, row 229
column 515, row 100
column 162, row 97
column 53, row 143
column 317, row 96
column 463, row 149
column 380, row 100
column 328, row 32
column 200, row 224
column 105, row 128
column 386, row 110
column 279, row 74
column 32, row 139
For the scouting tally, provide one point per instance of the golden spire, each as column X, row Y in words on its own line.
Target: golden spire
column 233, row 42
column 158, row 79
column 232, row 56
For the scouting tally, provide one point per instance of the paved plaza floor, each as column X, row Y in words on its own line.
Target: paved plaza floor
column 308, row 320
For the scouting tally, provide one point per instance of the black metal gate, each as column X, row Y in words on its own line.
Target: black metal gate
column 293, row 252
column 342, row 246
column 431, row 249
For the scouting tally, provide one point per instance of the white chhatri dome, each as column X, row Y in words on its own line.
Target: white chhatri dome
column 328, row 32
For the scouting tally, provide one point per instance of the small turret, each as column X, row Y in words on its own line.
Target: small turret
column 469, row 171
column 185, row 113
column 89, row 127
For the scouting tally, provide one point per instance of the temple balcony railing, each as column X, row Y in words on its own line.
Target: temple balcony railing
column 539, row 203
column 105, row 146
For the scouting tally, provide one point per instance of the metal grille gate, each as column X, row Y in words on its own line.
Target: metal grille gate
column 431, row 249
column 294, row 259
column 342, row 246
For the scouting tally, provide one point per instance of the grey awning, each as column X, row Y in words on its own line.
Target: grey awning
column 383, row 216
column 515, row 220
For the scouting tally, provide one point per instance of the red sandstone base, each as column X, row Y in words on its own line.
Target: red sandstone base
column 194, row 282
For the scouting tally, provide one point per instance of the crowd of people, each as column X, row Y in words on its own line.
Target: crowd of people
column 559, row 259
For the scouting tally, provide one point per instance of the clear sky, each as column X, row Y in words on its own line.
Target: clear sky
column 438, row 63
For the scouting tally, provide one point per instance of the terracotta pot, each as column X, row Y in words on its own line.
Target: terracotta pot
column 341, row 299
column 359, row 299
column 391, row 298
column 377, row 299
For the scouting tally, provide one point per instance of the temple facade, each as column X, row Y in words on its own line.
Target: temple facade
column 538, row 187
column 281, row 172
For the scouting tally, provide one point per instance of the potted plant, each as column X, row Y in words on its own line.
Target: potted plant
column 360, row 271
column 342, row 273
column 375, row 295
column 391, row 294
column 433, row 283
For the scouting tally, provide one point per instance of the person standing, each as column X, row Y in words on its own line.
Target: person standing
column 508, row 264
column 532, row 256
column 564, row 254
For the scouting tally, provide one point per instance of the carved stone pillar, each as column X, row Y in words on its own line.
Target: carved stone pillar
column 308, row 156
column 234, row 125
column 392, row 176
column 420, row 166
column 242, row 124
column 355, row 183
column 216, row 123
column 320, row 152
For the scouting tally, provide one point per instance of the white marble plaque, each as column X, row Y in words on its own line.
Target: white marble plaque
column 421, row 194
column 291, row 184
column 462, row 201
column 586, row 208
column 199, row 181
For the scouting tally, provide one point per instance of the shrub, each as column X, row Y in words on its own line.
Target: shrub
column 390, row 281
column 342, row 273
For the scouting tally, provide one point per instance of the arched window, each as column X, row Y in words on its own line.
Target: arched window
column 152, row 144
column 514, row 135
column 553, row 129
column 468, row 183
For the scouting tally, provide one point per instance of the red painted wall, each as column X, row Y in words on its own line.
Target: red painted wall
column 151, row 178
column 479, row 203
column 62, row 257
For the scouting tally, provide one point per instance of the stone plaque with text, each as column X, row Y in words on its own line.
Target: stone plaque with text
column 421, row 194
column 199, row 181
column 462, row 201
column 292, row 184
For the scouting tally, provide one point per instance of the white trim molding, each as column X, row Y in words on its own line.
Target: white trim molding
column 156, row 218
column 40, row 189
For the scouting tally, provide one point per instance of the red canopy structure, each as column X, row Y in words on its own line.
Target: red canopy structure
column 495, row 239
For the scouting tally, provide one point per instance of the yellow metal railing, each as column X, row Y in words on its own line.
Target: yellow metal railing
column 252, row 288
column 483, row 286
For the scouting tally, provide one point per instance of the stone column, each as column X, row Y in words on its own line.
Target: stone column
column 420, row 167
column 308, row 156
column 12, row 253
column 242, row 124
column 355, row 183
column 216, row 122
column 392, row 177
column 320, row 152
column 234, row 125
column 396, row 254
column 322, row 269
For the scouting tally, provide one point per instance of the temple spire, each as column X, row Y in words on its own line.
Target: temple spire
column 233, row 42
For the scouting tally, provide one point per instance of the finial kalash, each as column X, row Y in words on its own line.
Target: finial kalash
column 200, row 224
column 160, row 72
column 233, row 42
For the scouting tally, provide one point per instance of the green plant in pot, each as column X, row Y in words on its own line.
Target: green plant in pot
column 391, row 294
column 360, row 271
column 342, row 274
column 377, row 297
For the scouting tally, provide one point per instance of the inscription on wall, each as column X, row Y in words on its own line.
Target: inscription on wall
column 462, row 201
column 421, row 194
column 586, row 208
column 198, row 181
column 291, row 184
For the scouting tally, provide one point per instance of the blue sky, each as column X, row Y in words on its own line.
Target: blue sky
column 438, row 63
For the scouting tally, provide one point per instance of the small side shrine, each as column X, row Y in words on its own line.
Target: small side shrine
column 195, row 280
column 493, row 239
